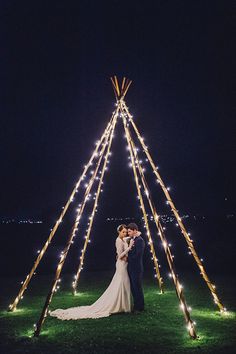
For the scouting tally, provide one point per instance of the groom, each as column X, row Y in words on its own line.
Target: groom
column 135, row 267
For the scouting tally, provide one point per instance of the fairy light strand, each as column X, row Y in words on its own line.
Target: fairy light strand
column 178, row 287
column 41, row 253
column 70, row 239
column 154, row 258
column 174, row 210
column 91, row 218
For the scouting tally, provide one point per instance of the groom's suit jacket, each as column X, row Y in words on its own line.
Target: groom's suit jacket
column 135, row 258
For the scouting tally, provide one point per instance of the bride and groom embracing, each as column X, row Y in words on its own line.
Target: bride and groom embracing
column 126, row 280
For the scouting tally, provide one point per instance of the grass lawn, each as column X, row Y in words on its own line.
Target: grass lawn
column 160, row 329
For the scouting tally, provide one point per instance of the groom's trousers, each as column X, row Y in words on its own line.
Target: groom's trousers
column 137, row 289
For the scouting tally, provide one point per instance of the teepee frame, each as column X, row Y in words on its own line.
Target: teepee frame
column 100, row 157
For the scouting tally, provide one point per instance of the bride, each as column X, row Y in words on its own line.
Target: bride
column 116, row 297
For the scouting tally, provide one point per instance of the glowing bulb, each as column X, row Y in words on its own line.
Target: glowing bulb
column 189, row 326
column 164, row 244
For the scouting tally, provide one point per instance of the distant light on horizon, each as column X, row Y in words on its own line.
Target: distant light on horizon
column 18, row 221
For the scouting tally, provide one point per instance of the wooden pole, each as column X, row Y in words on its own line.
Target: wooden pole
column 178, row 287
column 117, row 86
column 178, row 218
column 91, row 219
column 114, row 87
column 152, row 249
column 70, row 240
column 26, row 282
column 123, row 83
column 126, row 89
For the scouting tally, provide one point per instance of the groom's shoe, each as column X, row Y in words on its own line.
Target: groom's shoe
column 137, row 311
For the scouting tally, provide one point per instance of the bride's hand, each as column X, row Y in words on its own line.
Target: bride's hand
column 124, row 258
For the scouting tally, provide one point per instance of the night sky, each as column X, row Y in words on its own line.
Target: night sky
column 56, row 99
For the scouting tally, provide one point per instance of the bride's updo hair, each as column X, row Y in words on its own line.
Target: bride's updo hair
column 121, row 227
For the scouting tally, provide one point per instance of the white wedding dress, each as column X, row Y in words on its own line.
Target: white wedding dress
column 116, row 297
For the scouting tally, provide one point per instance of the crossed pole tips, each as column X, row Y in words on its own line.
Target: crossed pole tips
column 120, row 91
column 100, row 158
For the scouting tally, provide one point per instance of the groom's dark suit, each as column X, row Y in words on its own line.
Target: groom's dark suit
column 135, row 271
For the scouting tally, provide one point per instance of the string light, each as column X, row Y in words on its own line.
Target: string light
column 91, row 217
column 60, row 265
column 134, row 163
column 166, row 247
column 122, row 112
column 64, row 209
column 173, row 208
